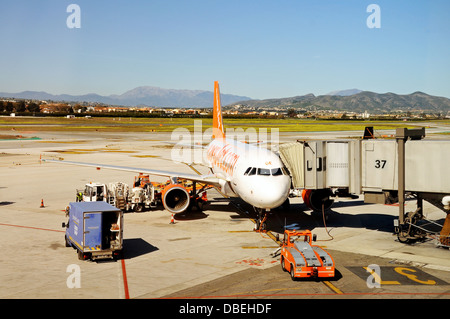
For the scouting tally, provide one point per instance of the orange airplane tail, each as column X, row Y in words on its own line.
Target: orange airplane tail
column 217, row 114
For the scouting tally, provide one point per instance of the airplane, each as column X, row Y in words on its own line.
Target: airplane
column 250, row 172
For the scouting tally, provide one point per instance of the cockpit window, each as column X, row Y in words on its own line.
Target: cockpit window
column 264, row 171
column 276, row 171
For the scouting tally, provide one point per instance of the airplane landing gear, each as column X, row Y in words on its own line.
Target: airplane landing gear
column 263, row 214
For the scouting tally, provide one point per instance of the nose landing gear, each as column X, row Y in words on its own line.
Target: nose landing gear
column 263, row 214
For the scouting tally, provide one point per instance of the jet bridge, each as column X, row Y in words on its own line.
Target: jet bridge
column 385, row 171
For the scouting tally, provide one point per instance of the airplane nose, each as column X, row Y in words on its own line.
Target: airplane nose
column 273, row 194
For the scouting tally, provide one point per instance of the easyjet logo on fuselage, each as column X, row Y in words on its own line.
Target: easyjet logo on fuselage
column 223, row 157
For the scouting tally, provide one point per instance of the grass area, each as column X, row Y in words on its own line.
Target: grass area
column 31, row 124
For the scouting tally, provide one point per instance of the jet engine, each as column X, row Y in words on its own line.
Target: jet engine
column 175, row 198
column 314, row 199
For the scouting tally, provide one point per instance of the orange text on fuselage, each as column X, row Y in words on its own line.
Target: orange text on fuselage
column 223, row 157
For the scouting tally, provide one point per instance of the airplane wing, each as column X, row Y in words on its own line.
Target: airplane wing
column 208, row 179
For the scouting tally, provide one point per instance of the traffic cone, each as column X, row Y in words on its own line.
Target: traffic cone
column 172, row 221
column 42, row 203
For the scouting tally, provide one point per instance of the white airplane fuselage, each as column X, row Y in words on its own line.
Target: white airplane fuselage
column 250, row 172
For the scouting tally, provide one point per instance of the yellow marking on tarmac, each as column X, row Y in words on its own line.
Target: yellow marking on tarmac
column 62, row 142
column 333, row 287
column 272, row 236
column 145, row 156
column 378, row 278
column 404, row 271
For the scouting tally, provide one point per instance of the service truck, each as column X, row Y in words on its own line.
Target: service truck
column 95, row 230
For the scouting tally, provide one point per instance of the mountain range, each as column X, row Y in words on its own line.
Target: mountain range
column 353, row 100
column 140, row 96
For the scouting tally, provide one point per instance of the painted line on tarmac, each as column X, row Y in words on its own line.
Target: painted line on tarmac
column 332, row 287
column 125, row 279
column 312, row 295
column 30, row 227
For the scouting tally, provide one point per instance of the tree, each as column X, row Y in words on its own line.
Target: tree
column 20, row 106
column 291, row 113
column 9, row 107
column 33, row 108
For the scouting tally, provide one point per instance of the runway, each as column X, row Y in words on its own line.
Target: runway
column 207, row 255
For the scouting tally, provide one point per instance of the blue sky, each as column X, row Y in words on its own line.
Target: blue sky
column 261, row 49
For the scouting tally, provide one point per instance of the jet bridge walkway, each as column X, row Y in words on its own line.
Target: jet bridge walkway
column 385, row 171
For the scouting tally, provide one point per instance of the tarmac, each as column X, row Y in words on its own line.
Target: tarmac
column 212, row 254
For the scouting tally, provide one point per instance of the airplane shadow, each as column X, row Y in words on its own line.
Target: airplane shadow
column 297, row 218
column 191, row 215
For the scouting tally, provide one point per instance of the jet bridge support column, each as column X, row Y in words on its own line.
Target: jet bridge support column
column 402, row 135
column 401, row 140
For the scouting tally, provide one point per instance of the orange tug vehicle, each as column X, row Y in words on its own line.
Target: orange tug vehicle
column 302, row 259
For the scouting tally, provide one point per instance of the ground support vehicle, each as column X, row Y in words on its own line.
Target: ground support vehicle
column 142, row 197
column 302, row 259
column 119, row 195
column 93, row 192
column 94, row 229
column 143, row 194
